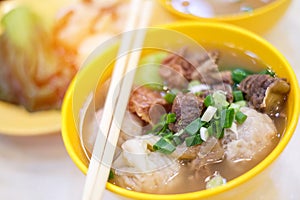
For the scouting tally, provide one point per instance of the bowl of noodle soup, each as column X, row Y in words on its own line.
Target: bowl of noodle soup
column 88, row 88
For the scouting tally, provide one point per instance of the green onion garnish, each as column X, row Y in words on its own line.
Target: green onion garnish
column 216, row 129
column 229, row 113
column 193, row 140
column 177, row 140
column 111, row 175
column 239, row 74
column 164, row 146
column 171, row 118
column 220, row 99
column 238, row 95
column 268, row 71
column 208, row 101
column 169, row 97
column 168, row 136
column 241, row 103
column 240, row 117
column 193, row 127
column 161, row 128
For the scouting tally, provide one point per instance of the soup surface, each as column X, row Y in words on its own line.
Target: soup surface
column 212, row 8
column 168, row 144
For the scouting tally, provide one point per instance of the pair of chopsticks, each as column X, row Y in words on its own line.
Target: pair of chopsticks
column 117, row 99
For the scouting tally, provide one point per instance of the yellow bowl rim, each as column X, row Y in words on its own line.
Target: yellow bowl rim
column 226, row 18
column 229, row 185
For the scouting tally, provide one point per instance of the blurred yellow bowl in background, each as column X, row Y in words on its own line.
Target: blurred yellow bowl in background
column 208, row 32
column 260, row 20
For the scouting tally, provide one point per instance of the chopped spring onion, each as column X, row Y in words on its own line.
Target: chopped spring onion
column 238, row 95
column 239, row 74
column 237, row 105
column 169, row 97
column 227, row 117
column 234, row 106
column 209, row 101
column 209, row 113
column 111, row 175
column 241, row 103
column 268, row 71
column 204, row 133
column 162, row 127
column 169, row 136
column 215, row 129
column 193, row 127
column 220, row 99
column 240, row 117
column 177, row 140
column 219, row 131
column 157, row 128
column 164, row 146
column 170, row 118
column 193, row 140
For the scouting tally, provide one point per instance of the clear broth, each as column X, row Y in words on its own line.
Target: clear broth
column 212, row 8
column 187, row 179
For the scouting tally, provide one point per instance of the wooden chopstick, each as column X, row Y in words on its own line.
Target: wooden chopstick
column 116, row 101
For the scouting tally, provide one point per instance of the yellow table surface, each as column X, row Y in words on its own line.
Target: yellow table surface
column 39, row 168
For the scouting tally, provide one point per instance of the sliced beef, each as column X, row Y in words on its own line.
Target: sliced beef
column 142, row 99
column 255, row 86
column 207, row 72
column 227, row 77
column 176, row 70
column 264, row 92
column 179, row 69
column 187, row 108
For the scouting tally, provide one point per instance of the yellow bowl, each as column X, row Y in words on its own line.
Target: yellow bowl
column 260, row 20
column 87, row 80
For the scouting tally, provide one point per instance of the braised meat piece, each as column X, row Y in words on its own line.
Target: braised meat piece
column 255, row 87
column 142, row 99
column 226, row 77
column 265, row 93
column 179, row 69
column 207, row 71
column 176, row 70
column 187, row 108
